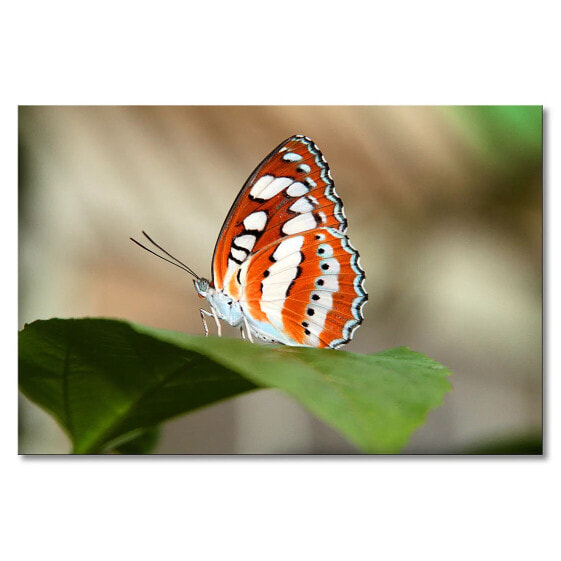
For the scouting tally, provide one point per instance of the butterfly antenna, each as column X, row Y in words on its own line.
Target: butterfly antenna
column 175, row 261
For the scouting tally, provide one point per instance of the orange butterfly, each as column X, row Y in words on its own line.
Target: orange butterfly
column 283, row 268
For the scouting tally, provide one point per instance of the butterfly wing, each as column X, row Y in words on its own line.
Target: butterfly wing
column 308, row 287
column 291, row 191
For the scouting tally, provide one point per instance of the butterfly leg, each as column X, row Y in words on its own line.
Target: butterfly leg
column 218, row 326
column 242, row 332
column 205, row 314
column 249, row 336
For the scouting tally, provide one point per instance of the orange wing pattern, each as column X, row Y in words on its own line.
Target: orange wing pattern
column 308, row 286
column 290, row 192
column 283, row 254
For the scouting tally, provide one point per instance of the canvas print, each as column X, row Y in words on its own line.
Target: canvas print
column 277, row 280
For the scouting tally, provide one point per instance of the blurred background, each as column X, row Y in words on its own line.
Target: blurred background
column 444, row 205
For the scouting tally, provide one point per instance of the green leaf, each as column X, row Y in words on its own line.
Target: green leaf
column 103, row 379
column 504, row 136
column 141, row 441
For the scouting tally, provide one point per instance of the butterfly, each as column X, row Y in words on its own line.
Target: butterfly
column 283, row 269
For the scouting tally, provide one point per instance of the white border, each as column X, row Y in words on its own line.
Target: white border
column 384, row 508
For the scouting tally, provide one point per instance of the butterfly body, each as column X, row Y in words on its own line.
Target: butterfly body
column 225, row 308
column 283, row 268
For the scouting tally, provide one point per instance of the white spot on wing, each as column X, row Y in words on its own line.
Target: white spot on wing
column 321, row 298
column 238, row 254
column 271, row 188
column 291, row 157
column 232, row 267
column 287, row 247
column 328, row 282
column 302, row 205
column 256, row 221
column 324, row 250
column 260, row 184
column 330, row 265
column 321, row 303
column 312, row 339
column 297, row 190
column 300, row 223
column 246, row 241
column 275, row 291
column 320, row 307
column 281, row 275
column 243, row 272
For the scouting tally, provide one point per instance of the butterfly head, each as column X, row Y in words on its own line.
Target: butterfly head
column 202, row 287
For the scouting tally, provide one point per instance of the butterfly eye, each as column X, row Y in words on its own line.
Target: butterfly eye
column 201, row 286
